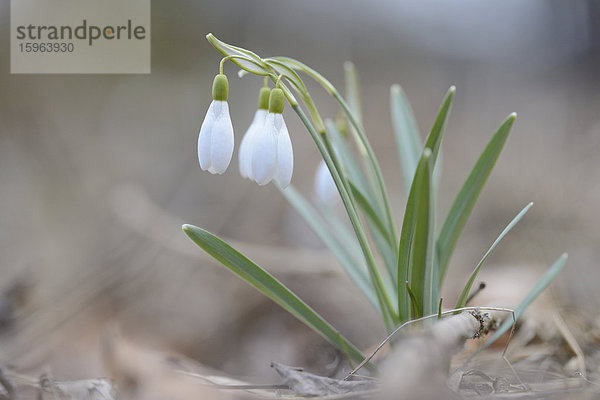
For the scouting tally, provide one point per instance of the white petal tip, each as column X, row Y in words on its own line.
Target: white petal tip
column 215, row 171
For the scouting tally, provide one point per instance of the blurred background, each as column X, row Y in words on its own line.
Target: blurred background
column 97, row 173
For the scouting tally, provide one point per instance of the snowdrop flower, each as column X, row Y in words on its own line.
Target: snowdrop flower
column 215, row 141
column 273, row 158
column 255, row 129
column 325, row 190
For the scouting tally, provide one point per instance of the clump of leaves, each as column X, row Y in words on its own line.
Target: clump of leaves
column 404, row 282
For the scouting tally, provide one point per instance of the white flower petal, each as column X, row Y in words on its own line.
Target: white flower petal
column 285, row 154
column 247, row 144
column 245, row 156
column 204, row 138
column 215, row 141
column 222, row 142
column 264, row 156
column 325, row 188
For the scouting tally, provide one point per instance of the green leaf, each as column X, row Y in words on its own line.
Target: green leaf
column 299, row 66
column 434, row 140
column 421, row 268
column 270, row 287
column 466, row 198
column 350, row 164
column 354, row 270
column 372, row 168
column 540, row 285
column 289, row 73
column 369, row 211
column 353, row 96
column 462, row 300
column 363, row 191
column 406, row 134
column 414, row 258
column 416, row 261
column 363, row 195
column 389, row 255
column 326, row 149
column 353, row 99
column 250, row 61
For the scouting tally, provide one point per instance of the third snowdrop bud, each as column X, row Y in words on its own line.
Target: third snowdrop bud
column 325, row 189
column 215, row 141
column 254, row 130
column 273, row 156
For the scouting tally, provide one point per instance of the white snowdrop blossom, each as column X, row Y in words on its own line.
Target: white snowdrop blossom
column 254, row 130
column 215, row 141
column 325, row 190
column 272, row 157
column 247, row 144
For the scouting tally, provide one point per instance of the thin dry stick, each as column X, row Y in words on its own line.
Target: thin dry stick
column 209, row 382
column 265, row 388
column 514, row 371
column 387, row 339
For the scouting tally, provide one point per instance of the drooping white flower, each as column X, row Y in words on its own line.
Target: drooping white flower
column 247, row 144
column 255, row 129
column 325, row 190
column 215, row 141
column 273, row 157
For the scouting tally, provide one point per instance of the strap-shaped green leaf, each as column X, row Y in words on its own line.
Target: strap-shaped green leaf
column 381, row 237
column 256, row 65
column 414, row 254
column 270, row 287
column 406, row 134
column 299, row 66
column 369, row 211
column 350, row 163
column 417, row 211
column 363, row 193
column 353, row 92
column 434, row 139
column 467, row 196
column 353, row 98
column 420, row 266
column 462, row 299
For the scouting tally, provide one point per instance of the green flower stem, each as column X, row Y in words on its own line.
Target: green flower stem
column 314, row 113
column 320, row 128
column 373, row 265
column 301, row 89
column 386, row 306
column 330, row 158
column 263, row 71
column 320, row 131
column 232, row 58
column 361, row 133
column 374, row 163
